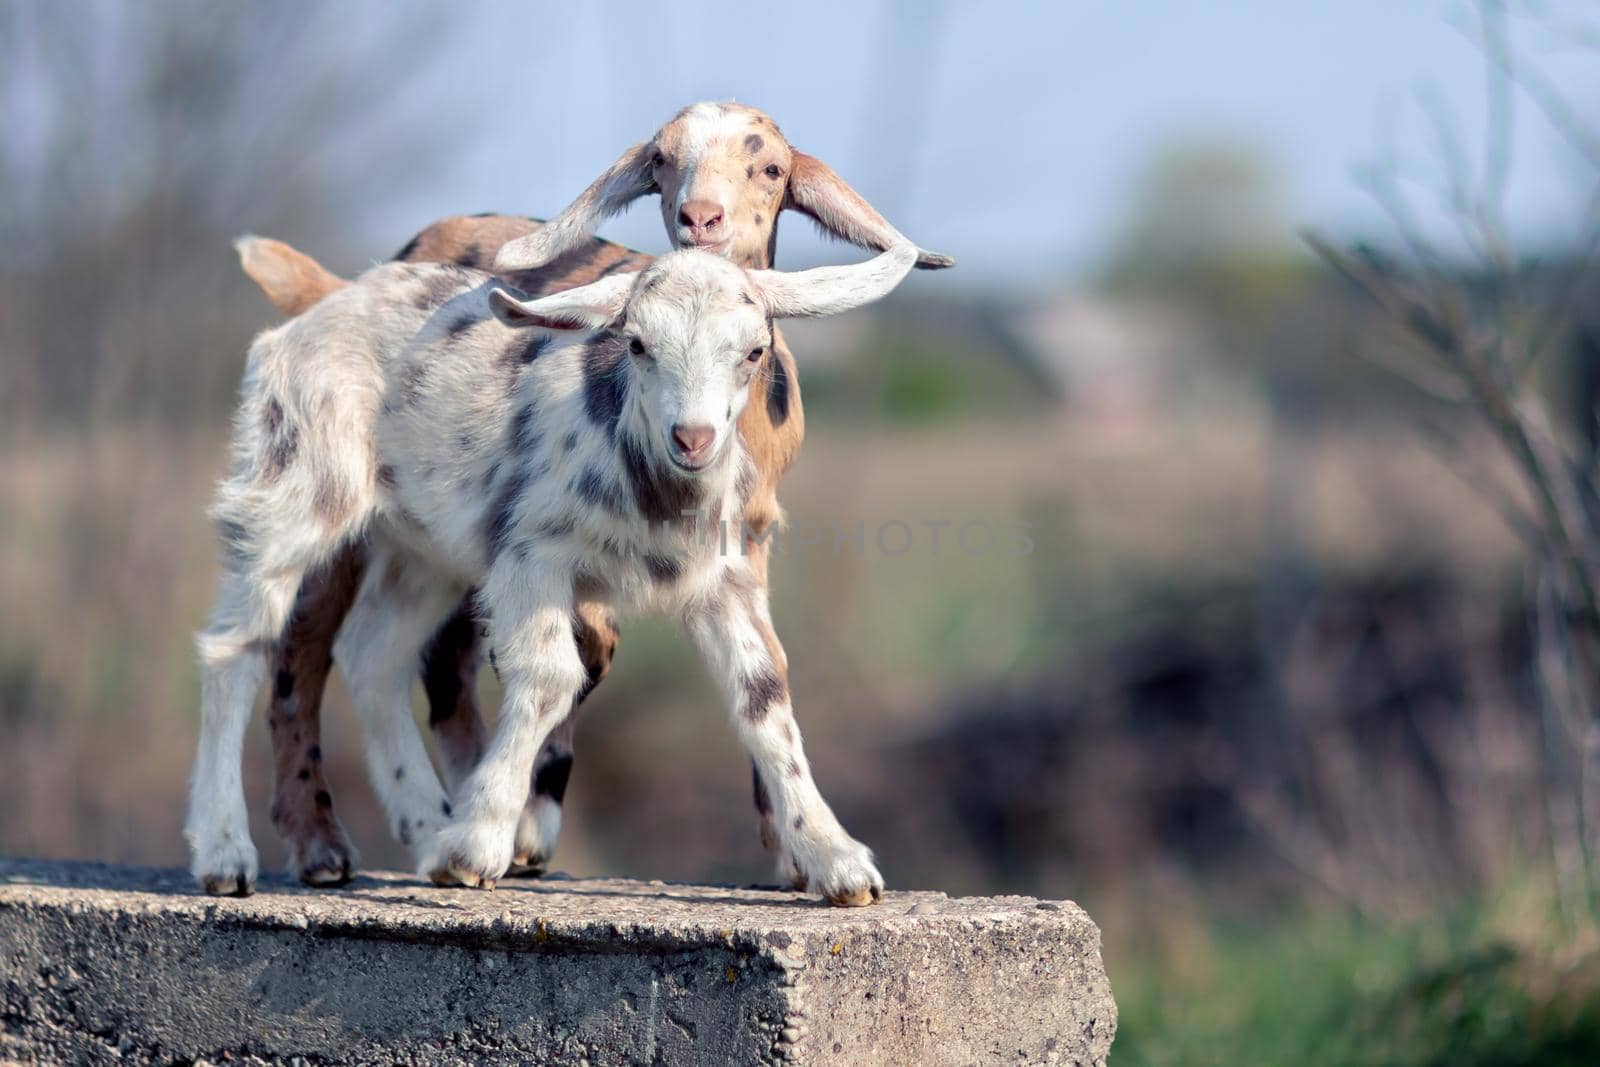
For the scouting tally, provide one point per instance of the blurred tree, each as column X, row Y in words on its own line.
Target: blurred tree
column 1482, row 334
column 136, row 141
column 1208, row 221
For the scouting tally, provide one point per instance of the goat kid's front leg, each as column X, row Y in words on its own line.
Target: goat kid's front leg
column 734, row 633
column 596, row 629
column 529, row 613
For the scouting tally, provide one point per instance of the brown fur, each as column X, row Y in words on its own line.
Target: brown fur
column 292, row 280
column 319, row 850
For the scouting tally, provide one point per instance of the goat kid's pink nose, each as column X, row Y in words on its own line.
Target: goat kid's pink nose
column 693, row 439
column 701, row 216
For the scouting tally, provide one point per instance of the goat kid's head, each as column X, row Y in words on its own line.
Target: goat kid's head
column 696, row 327
column 723, row 172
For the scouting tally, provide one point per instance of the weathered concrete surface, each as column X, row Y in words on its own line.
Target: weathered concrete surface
column 105, row 963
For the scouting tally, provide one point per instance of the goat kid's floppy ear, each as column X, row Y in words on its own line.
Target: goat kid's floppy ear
column 587, row 307
column 830, row 290
column 815, row 190
column 625, row 181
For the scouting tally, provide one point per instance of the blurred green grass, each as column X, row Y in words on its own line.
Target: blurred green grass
column 1473, row 987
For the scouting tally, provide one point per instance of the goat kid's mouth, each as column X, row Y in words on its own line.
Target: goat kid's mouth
column 719, row 247
column 692, row 462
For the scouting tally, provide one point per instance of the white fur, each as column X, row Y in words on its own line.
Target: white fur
column 404, row 409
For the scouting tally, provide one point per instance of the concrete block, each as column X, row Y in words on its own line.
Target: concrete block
column 101, row 964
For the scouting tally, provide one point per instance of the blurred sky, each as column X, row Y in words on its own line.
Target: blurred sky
column 1009, row 134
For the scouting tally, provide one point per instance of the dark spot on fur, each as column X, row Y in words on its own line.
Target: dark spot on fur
column 750, row 171
column 761, row 692
column 793, row 770
column 386, row 477
column 470, row 255
column 586, row 585
column 596, row 489
column 405, row 831
column 759, row 219
column 465, row 442
column 759, row 788
column 778, row 392
column 280, row 452
column 605, row 380
column 551, row 781
column 324, row 799
column 238, row 552
column 555, row 528
column 272, row 415
column 746, row 297
column 304, row 775
column 502, row 512
column 447, row 661
column 523, row 438
column 315, row 754
column 439, row 285
column 569, row 443
column 659, row 494
column 399, row 774
column 535, row 347
column 410, row 249
column 754, row 143
column 799, row 821
column 662, row 568
column 445, row 809
column 284, row 685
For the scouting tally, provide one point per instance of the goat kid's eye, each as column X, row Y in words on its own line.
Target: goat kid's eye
column 659, row 160
column 774, row 171
column 636, row 346
column 753, row 356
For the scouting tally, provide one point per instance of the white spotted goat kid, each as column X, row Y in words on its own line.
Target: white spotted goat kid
column 542, row 451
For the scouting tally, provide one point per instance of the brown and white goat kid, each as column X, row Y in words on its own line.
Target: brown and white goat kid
column 465, row 433
column 724, row 172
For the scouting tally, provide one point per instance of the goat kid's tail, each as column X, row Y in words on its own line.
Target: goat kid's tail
column 292, row 280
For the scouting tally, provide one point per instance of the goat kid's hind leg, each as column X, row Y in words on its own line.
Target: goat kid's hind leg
column 529, row 606
column 320, row 852
column 261, row 576
column 396, row 610
column 596, row 630
column 734, row 633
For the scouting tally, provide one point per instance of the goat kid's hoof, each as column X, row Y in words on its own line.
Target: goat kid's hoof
column 845, row 876
column 856, row 898
column 330, row 872
column 237, row 884
column 537, row 829
column 325, row 864
column 457, row 873
column 469, row 855
column 226, row 870
column 528, row 866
